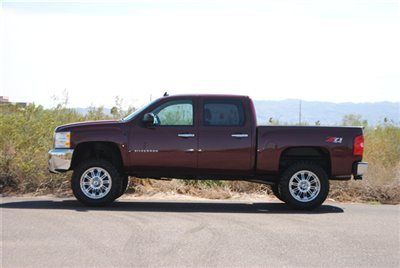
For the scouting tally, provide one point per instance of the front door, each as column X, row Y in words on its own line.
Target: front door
column 170, row 145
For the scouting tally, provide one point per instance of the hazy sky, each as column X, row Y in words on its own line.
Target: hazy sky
column 314, row 50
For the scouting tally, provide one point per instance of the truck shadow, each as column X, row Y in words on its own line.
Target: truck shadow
column 171, row 206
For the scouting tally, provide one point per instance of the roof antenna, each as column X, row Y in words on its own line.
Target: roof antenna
column 166, row 94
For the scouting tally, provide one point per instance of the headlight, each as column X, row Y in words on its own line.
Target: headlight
column 62, row 140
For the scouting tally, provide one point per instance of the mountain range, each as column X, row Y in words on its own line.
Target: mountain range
column 327, row 113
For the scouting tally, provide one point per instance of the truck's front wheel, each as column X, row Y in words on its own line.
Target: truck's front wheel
column 96, row 182
column 124, row 185
column 304, row 185
column 276, row 192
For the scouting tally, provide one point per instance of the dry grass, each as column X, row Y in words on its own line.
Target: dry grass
column 26, row 136
column 204, row 189
column 379, row 185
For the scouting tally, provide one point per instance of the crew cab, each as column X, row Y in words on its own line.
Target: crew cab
column 205, row 137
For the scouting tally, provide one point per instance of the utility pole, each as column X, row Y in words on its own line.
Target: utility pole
column 300, row 112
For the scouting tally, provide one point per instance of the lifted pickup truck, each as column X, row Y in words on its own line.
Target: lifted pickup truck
column 206, row 137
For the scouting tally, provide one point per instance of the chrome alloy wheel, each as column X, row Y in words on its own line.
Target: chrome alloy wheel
column 304, row 186
column 95, row 182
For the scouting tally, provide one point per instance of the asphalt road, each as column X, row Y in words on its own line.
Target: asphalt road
column 60, row 232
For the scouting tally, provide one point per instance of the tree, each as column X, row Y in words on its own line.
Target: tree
column 118, row 111
column 354, row 120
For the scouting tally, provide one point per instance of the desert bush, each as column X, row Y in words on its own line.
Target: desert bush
column 382, row 181
column 26, row 137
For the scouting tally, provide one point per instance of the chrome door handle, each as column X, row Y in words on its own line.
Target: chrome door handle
column 190, row 150
column 186, row 135
column 240, row 135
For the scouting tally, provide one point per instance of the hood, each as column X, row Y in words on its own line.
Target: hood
column 71, row 126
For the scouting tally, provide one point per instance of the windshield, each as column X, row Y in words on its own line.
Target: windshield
column 136, row 112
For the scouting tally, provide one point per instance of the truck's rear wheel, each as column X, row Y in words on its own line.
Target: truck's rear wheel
column 304, row 185
column 96, row 182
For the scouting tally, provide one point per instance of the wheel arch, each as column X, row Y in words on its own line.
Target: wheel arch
column 109, row 151
column 318, row 155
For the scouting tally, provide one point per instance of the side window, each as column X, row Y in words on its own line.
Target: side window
column 223, row 113
column 174, row 113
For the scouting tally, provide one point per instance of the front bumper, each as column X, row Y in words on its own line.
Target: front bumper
column 60, row 160
column 359, row 169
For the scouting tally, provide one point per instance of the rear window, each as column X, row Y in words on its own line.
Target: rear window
column 223, row 113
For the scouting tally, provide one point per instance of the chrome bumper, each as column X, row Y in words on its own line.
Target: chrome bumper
column 60, row 160
column 359, row 169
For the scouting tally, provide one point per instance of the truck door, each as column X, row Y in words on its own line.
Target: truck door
column 225, row 136
column 170, row 145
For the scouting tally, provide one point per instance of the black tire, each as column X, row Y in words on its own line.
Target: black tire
column 319, row 197
column 275, row 191
column 115, row 178
column 124, row 185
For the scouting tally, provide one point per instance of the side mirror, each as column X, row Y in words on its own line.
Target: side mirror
column 148, row 119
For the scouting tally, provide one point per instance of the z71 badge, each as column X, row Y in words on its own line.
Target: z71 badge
column 334, row 139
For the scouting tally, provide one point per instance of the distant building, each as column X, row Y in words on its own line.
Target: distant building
column 4, row 99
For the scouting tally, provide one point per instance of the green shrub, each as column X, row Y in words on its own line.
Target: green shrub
column 26, row 137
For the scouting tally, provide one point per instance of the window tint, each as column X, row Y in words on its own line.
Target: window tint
column 223, row 113
column 174, row 113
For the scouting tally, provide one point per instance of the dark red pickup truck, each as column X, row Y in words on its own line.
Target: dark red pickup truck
column 206, row 137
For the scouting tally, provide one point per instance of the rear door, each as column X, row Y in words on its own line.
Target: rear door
column 225, row 136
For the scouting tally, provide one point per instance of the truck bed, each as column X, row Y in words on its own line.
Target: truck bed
column 335, row 142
